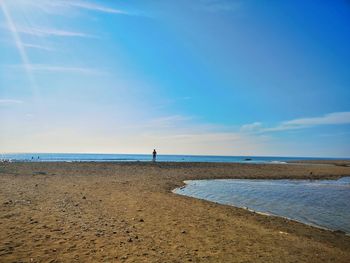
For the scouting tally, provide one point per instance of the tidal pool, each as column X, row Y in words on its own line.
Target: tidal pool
column 321, row 203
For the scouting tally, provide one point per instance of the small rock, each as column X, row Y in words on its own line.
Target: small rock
column 129, row 239
column 141, row 220
column 183, row 231
column 339, row 232
column 84, row 197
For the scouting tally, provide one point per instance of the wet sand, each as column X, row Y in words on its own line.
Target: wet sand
column 125, row 212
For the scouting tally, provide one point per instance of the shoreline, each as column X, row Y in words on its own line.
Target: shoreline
column 126, row 212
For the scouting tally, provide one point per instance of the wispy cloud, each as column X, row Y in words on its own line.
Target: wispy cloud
column 94, row 7
column 62, row 69
column 47, row 32
column 335, row 118
column 251, row 127
column 54, row 6
column 6, row 102
column 35, row 46
column 328, row 119
column 331, row 118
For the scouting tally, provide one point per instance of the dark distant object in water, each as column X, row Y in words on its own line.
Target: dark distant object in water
column 247, row 159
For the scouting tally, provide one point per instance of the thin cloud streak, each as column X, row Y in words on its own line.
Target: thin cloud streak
column 64, row 69
column 10, row 101
column 94, row 7
column 51, row 6
column 47, row 32
column 335, row 118
column 34, row 46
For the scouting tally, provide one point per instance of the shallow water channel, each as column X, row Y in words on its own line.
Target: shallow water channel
column 321, row 203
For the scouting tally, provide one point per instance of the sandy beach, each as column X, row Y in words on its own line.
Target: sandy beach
column 126, row 212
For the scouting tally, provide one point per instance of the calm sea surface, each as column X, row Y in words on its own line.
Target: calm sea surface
column 68, row 157
column 322, row 203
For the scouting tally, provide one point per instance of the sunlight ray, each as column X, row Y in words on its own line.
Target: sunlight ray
column 20, row 47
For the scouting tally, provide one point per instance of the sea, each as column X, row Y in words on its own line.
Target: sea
column 320, row 203
column 90, row 157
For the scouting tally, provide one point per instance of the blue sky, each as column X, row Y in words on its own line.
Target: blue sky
column 187, row 77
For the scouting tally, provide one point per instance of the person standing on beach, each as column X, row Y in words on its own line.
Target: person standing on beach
column 154, row 155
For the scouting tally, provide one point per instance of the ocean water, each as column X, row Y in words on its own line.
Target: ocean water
column 68, row 157
column 321, row 203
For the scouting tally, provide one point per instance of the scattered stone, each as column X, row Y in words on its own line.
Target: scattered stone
column 84, row 197
column 39, row 173
column 339, row 232
column 130, row 239
column 141, row 220
column 183, row 231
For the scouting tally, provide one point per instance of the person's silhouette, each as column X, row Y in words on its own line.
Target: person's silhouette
column 154, row 155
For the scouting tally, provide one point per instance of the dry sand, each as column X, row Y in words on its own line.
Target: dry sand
column 125, row 212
